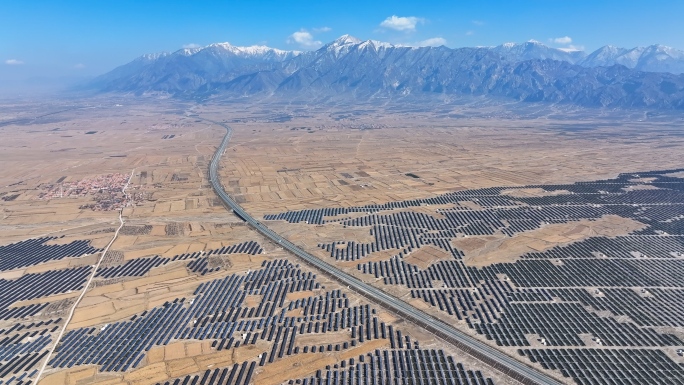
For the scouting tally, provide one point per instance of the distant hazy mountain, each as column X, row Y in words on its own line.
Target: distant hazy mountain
column 654, row 58
column 534, row 50
column 187, row 70
column 351, row 69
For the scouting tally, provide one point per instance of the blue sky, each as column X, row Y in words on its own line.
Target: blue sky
column 85, row 38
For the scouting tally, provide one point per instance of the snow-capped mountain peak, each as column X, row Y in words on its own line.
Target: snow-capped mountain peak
column 345, row 40
column 188, row 51
column 375, row 44
column 349, row 67
column 252, row 51
column 152, row 56
column 341, row 45
column 654, row 58
column 534, row 50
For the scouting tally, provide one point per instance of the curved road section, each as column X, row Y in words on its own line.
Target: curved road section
column 497, row 359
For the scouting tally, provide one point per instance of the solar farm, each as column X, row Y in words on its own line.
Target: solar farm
column 597, row 310
column 181, row 291
column 248, row 326
column 120, row 265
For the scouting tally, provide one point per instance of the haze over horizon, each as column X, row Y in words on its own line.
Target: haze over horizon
column 48, row 42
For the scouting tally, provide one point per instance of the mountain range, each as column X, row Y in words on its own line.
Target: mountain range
column 654, row 58
column 349, row 68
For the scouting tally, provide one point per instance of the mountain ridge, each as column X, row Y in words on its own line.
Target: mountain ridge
column 362, row 70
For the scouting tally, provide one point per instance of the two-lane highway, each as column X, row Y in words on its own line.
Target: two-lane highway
column 495, row 358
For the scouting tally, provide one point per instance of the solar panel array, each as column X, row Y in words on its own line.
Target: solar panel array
column 28, row 330
column 645, row 307
column 235, row 375
column 37, row 285
column 23, row 346
column 605, row 294
column 603, row 366
column 411, row 366
column 218, row 312
column 35, row 251
column 22, row 352
column 198, row 261
column 133, row 268
column 594, row 310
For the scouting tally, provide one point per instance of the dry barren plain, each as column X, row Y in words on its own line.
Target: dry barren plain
column 180, row 290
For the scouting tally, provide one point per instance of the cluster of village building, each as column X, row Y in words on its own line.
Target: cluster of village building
column 106, row 190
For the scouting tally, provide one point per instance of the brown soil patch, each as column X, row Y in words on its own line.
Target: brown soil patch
column 253, row 300
column 298, row 295
column 305, row 364
column 641, row 187
column 14, row 274
column 482, row 251
column 69, row 376
column 327, row 338
column 533, row 192
column 179, row 359
column 331, row 232
column 119, row 301
column 426, row 256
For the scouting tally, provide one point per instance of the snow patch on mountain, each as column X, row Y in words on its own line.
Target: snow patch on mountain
column 654, row 58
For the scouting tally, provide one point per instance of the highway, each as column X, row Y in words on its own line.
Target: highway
column 476, row 348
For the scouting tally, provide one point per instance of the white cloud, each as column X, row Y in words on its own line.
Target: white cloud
column 470, row 33
column 13, row 62
column 322, row 29
column 572, row 48
column 79, row 66
column 566, row 40
column 563, row 40
column 304, row 39
column 397, row 23
column 478, row 23
column 191, row 45
column 431, row 42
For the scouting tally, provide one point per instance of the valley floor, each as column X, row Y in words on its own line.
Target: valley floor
column 557, row 241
